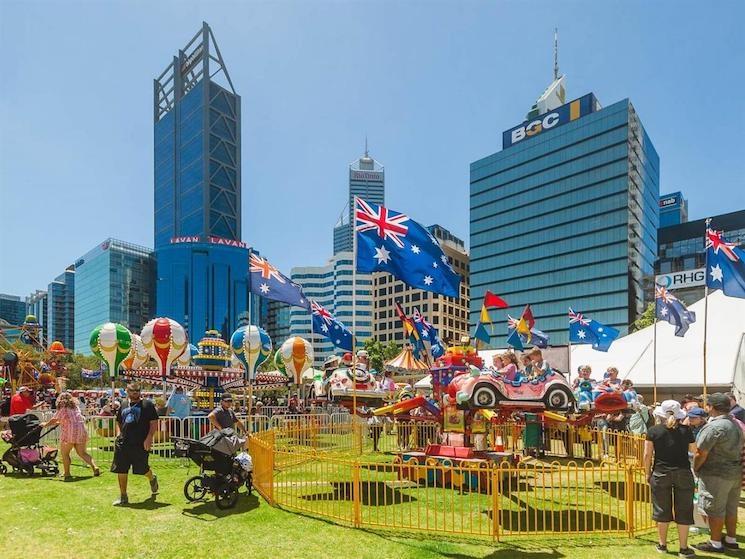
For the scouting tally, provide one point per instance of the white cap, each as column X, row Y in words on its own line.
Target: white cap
column 669, row 407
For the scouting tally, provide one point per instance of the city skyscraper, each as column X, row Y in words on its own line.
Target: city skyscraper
column 61, row 308
column 202, row 262
column 12, row 309
column 366, row 180
column 566, row 215
column 673, row 209
column 113, row 283
column 36, row 304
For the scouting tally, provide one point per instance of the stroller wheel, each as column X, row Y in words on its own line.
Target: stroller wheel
column 195, row 488
column 226, row 496
column 52, row 470
column 3, row 468
column 28, row 470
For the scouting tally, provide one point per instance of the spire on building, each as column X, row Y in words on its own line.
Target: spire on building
column 555, row 95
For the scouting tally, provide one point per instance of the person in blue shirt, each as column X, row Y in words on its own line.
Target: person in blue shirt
column 179, row 405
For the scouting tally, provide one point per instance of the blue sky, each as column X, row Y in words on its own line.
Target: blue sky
column 432, row 84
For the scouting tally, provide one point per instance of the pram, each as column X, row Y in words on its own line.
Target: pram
column 218, row 452
column 26, row 451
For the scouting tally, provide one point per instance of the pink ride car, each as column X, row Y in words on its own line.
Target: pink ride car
column 487, row 390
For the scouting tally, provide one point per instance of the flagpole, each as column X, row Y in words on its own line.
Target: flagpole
column 654, row 357
column 354, row 308
column 706, row 299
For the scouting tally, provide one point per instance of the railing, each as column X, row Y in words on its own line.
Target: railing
column 460, row 497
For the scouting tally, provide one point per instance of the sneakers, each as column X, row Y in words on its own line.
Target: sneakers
column 154, row 485
column 686, row 552
column 121, row 501
column 728, row 545
column 661, row 548
column 708, row 547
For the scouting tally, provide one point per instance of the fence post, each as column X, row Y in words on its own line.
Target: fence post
column 630, row 494
column 270, row 491
column 495, row 494
column 356, row 496
column 357, row 435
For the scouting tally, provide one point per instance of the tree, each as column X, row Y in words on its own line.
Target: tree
column 645, row 319
column 379, row 353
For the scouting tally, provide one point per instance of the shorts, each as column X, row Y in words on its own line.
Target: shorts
column 126, row 457
column 672, row 496
column 718, row 496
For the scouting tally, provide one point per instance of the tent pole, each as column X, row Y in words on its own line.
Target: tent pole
column 353, row 225
column 654, row 358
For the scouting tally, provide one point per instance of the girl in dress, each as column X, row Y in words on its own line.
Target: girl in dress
column 72, row 433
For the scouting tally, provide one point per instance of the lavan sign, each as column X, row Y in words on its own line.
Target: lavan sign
column 209, row 239
column 562, row 115
column 678, row 280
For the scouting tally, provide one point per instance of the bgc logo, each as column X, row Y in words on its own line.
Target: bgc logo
column 535, row 127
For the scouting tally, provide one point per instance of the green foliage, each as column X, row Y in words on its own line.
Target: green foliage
column 75, row 364
column 645, row 319
column 380, row 353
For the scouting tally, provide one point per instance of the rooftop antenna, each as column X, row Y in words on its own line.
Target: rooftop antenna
column 366, row 152
column 556, row 53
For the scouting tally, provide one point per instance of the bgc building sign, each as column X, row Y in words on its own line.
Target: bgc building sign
column 561, row 115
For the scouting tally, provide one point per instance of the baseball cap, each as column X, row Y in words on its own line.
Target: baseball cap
column 227, row 398
column 698, row 412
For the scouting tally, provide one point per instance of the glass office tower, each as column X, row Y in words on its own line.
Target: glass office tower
column 114, row 282
column 366, row 180
column 202, row 263
column 61, row 308
column 566, row 215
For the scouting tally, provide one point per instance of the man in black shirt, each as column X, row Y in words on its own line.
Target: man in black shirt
column 136, row 423
column 223, row 416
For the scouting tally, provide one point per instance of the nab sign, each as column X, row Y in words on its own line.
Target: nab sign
column 566, row 113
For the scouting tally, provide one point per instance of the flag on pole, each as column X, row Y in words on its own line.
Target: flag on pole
column 429, row 335
column 725, row 265
column 411, row 331
column 669, row 308
column 389, row 241
column 583, row 330
column 537, row 337
column 492, row 301
column 265, row 280
column 326, row 325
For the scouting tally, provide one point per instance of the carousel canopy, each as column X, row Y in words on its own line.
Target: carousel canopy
column 406, row 364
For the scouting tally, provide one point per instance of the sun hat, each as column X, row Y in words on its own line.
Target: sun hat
column 669, row 407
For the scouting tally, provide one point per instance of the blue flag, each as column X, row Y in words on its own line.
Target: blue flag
column 389, row 241
column 537, row 337
column 583, row 330
column 515, row 340
column 265, row 280
column 326, row 325
column 725, row 265
column 670, row 309
column 481, row 333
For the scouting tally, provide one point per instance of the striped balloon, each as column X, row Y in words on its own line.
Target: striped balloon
column 252, row 346
column 137, row 355
column 185, row 358
column 164, row 340
column 111, row 343
column 297, row 355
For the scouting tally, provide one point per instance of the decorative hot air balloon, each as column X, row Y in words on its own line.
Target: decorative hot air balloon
column 164, row 340
column 252, row 346
column 297, row 356
column 111, row 343
column 279, row 363
column 137, row 354
column 185, row 358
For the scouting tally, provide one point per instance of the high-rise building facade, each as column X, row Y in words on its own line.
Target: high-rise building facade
column 61, row 308
column 448, row 314
column 566, row 215
column 202, row 262
column 673, row 209
column 331, row 287
column 114, row 282
column 367, row 181
column 12, row 309
column 36, row 305
column 278, row 321
column 681, row 250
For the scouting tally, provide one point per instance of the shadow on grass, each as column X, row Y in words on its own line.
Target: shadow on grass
column 372, row 493
column 207, row 511
column 617, row 490
column 147, row 504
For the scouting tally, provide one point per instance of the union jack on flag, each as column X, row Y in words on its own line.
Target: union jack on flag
column 265, row 280
column 725, row 265
column 389, row 241
column 583, row 330
column 326, row 325
column 670, row 309
column 577, row 317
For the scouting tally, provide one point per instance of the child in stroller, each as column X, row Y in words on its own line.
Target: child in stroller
column 26, row 451
column 218, row 452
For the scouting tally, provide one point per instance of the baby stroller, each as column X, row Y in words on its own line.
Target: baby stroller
column 26, row 451
column 217, row 452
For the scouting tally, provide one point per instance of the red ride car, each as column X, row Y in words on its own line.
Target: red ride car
column 488, row 389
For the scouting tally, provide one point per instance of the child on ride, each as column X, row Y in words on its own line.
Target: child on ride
column 540, row 367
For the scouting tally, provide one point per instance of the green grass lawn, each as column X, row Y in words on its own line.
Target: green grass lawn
column 48, row 518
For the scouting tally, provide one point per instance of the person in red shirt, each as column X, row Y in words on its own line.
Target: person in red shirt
column 22, row 401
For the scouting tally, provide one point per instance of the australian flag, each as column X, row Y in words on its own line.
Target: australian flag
column 725, row 265
column 326, row 325
column 389, row 241
column 670, row 309
column 265, row 280
column 583, row 330
column 429, row 335
column 537, row 337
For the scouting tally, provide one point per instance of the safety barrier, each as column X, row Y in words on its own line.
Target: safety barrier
column 457, row 497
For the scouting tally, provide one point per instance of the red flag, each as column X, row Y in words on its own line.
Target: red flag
column 492, row 301
column 527, row 316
